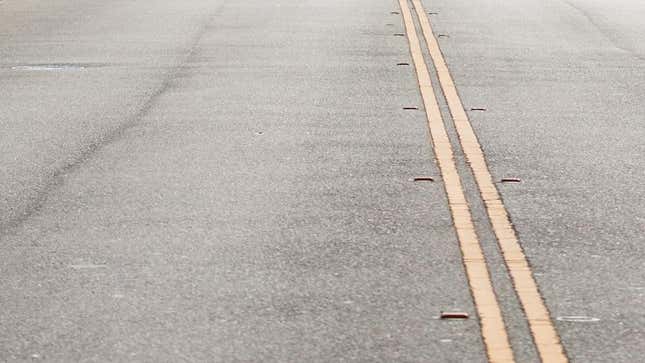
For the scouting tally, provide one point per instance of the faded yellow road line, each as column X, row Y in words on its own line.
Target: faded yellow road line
column 544, row 334
column 493, row 329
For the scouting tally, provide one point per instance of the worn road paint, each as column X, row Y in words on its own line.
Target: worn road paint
column 49, row 67
column 544, row 334
column 87, row 266
column 492, row 325
column 578, row 319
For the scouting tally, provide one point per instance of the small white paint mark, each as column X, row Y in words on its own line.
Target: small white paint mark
column 578, row 319
column 87, row 266
column 446, row 340
column 49, row 67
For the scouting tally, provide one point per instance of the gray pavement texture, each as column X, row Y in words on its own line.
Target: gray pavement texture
column 228, row 181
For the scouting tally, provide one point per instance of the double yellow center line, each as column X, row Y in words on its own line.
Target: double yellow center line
column 492, row 324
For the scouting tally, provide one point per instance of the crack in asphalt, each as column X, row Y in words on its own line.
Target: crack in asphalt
column 56, row 178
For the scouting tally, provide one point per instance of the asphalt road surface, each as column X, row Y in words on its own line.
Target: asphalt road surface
column 233, row 181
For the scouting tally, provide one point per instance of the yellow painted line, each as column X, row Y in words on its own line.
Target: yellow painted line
column 544, row 334
column 492, row 325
